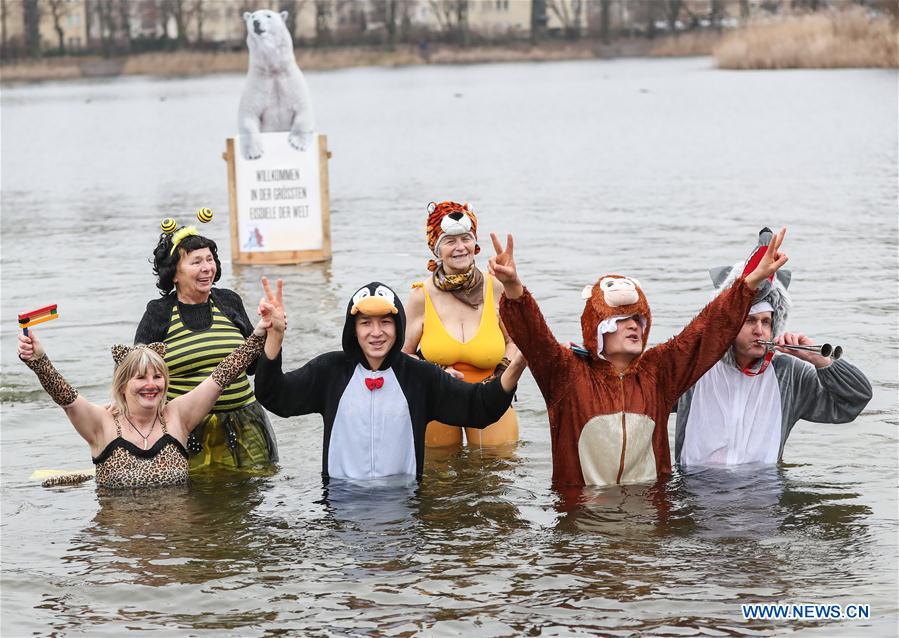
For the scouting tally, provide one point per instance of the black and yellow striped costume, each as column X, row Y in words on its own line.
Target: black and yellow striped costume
column 192, row 356
column 237, row 433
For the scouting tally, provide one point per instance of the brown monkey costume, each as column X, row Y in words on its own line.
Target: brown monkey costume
column 606, row 427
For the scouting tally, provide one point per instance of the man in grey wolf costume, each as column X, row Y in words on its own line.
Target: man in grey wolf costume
column 743, row 409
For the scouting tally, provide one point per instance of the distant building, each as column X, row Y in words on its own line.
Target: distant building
column 33, row 26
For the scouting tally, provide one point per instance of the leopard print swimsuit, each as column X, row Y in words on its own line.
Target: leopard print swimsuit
column 123, row 464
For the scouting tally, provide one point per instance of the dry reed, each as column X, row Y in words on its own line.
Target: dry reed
column 31, row 70
column 189, row 63
column 695, row 43
column 844, row 39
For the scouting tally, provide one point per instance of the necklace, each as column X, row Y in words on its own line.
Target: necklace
column 149, row 432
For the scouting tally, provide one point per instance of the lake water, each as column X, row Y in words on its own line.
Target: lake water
column 659, row 169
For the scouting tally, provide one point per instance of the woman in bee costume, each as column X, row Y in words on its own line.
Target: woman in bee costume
column 375, row 400
column 200, row 324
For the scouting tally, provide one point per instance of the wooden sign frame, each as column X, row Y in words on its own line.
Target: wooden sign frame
column 280, row 256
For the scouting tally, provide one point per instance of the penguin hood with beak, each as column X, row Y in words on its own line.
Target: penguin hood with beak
column 375, row 299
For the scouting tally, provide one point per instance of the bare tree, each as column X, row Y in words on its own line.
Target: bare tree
column 323, row 12
column 31, row 17
column 390, row 11
column 58, row 10
column 673, row 13
column 651, row 19
column 106, row 19
column 357, row 14
column 443, row 12
column 716, row 13
column 604, row 11
column 181, row 14
column 538, row 20
column 464, row 32
column 198, row 11
column 569, row 14
column 4, row 34
column 164, row 8
column 452, row 16
column 405, row 21
column 293, row 9
column 125, row 24
column 88, row 22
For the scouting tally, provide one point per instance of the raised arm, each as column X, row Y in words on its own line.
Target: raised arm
column 511, row 349
column 271, row 306
column 197, row 403
column 684, row 358
column 826, row 391
column 474, row 405
column 84, row 415
column 550, row 362
column 502, row 266
column 415, row 319
column 297, row 392
column 233, row 302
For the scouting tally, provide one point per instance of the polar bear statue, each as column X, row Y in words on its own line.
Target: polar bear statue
column 275, row 97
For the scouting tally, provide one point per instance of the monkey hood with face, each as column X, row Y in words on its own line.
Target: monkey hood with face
column 611, row 298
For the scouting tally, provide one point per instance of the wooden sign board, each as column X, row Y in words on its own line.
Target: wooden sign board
column 280, row 202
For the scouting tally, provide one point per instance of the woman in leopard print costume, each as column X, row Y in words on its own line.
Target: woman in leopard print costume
column 141, row 440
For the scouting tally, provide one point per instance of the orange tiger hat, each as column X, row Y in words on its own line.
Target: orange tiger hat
column 446, row 218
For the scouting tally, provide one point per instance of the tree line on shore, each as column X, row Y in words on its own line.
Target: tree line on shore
column 123, row 27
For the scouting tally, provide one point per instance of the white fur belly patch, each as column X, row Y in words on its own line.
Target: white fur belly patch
column 372, row 432
column 601, row 443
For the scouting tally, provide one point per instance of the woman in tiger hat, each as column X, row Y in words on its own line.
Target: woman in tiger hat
column 200, row 324
column 453, row 319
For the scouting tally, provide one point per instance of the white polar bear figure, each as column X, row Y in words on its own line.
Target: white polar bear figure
column 275, row 97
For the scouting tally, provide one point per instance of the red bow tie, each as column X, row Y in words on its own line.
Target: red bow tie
column 374, row 384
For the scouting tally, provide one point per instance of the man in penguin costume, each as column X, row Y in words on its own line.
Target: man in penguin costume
column 609, row 405
column 375, row 400
column 744, row 408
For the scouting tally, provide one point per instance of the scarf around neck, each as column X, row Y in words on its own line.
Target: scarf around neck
column 467, row 287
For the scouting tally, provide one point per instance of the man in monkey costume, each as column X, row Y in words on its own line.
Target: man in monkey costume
column 608, row 408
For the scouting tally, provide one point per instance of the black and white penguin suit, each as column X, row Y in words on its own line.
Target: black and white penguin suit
column 371, row 433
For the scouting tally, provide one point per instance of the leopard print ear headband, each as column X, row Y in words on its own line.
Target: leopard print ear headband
column 120, row 350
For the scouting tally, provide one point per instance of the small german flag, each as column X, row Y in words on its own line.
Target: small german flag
column 29, row 319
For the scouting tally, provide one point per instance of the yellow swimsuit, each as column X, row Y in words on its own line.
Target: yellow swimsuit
column 479, row 355
column 475, row 359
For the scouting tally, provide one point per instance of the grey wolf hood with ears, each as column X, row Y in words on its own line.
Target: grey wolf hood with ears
column 774, row 292
column 351, row 344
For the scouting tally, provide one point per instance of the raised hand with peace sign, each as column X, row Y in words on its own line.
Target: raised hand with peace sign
column 770, row 263
column 271, row 306
column 502, row 266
